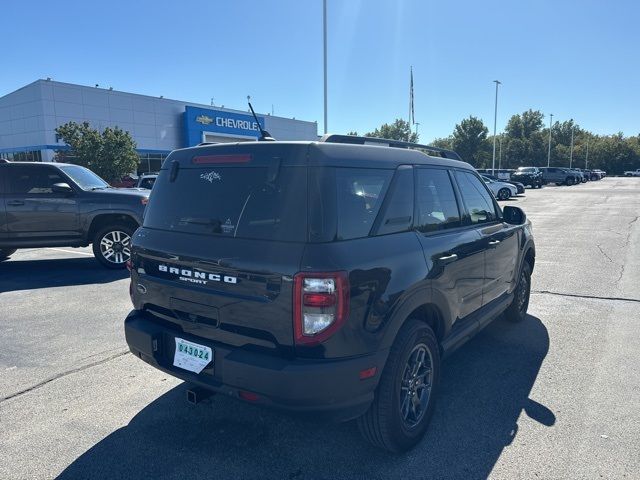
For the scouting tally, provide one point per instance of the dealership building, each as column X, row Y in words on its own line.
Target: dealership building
column 30, row 115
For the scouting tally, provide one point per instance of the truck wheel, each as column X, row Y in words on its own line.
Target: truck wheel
column 112, row 245
column 517, row 311
column 503, row 194
column 5, row 253
column 405, row 398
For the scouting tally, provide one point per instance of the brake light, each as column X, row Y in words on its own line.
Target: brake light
column 320, row 305
column 203, row 159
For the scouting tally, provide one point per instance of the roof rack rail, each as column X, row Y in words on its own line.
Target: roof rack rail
column 358, row 140
column 207, row 143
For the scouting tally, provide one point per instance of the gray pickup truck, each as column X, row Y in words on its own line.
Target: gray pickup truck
column 57, row 204
column 559, row 176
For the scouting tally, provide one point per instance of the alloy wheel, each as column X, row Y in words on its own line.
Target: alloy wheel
column 115, row 247
column 415, row 388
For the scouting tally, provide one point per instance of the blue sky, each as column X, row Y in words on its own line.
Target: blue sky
column 573, row 59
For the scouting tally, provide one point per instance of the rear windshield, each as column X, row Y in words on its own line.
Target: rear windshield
column 527, row 169
column 232, row 202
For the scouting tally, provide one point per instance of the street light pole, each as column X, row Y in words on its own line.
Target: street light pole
column 571, row 150
column 417, row 125
column 549, row 153
column 500, row 154
column 324, row 29
column 495, row 121
column 586, row 160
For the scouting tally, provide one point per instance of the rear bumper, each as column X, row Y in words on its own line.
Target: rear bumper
column 330, row 388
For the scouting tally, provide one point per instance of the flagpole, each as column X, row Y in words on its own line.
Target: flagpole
column 411, row 115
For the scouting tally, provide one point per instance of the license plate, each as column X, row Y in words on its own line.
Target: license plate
column 191, row 356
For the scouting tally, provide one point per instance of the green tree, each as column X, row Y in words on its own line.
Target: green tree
column 470, row 141
column 398, row 130
column 446, row 142
column 111, row 153
column 524, row 125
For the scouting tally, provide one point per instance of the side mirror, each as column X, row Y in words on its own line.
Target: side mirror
column 514, row 215
column 62, row 188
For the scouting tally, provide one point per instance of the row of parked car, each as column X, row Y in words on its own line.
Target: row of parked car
column 536, row 177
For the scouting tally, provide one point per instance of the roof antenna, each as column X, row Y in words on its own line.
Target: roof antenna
column 264, row 135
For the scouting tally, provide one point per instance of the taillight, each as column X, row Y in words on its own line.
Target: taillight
column 320, row 305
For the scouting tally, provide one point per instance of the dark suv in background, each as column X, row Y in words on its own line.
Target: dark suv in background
column 325, row 277
column 531, row 176
column 63, row 205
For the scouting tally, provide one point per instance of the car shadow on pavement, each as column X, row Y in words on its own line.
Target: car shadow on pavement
column 63, row 272
column 485, row 388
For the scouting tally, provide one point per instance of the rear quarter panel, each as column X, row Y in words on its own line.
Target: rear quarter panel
column 383, row 272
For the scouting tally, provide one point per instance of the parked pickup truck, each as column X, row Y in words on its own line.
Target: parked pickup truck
column 632, row 173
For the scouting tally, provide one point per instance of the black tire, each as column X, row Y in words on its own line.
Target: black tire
column 517, row 311
column 5, row 253
column 113, row 256
column 504, row 194
column 384, row 424
column 569, row 181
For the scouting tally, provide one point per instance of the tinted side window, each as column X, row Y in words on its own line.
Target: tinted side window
column 3, row 179
column 33, row 180
column 436, row 201
column 359, row 195
column 477, row 200
column 397, row 215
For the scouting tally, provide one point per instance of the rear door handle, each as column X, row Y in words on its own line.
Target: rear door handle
column 493, row 243
column 15, row 203
column 447, row 259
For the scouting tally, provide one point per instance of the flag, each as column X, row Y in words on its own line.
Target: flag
column 412, row 116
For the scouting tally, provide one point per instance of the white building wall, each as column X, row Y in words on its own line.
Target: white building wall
column 30, row 115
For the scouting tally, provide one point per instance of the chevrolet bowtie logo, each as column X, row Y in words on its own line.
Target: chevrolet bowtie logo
column 204, row 119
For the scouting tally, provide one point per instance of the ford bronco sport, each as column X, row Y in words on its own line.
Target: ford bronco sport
column 328, row 277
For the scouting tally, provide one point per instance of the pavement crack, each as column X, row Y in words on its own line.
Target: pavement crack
column 64, row 374
column 593, row 297
column 604, row 253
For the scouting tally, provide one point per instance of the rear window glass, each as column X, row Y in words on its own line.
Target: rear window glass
column 231, row 201
column 436, row 201
column 344, row 202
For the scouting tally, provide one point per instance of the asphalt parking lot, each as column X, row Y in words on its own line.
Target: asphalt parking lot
column 557, row 396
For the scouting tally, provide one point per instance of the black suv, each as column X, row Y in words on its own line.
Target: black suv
column 323, row 277
column 57, row 204
column 531, row 176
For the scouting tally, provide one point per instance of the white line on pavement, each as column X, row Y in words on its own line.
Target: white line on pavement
column 71, row 251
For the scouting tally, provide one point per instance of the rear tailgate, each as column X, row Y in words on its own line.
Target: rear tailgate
column 223, row 235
